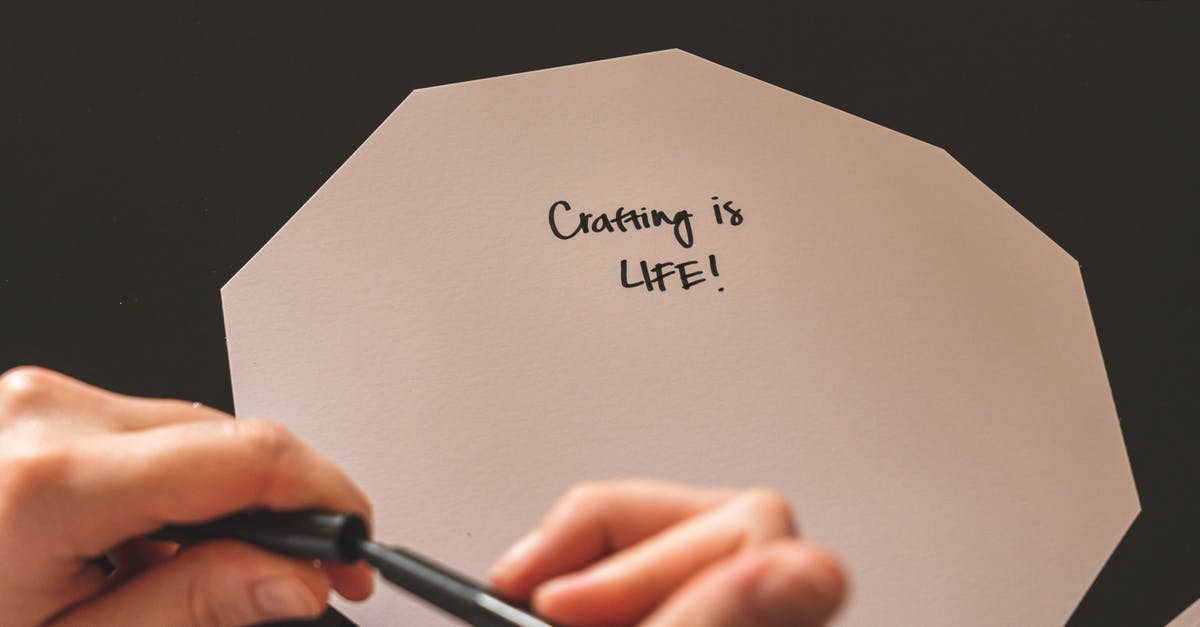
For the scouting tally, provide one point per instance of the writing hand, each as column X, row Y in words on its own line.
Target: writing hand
column 655, row 553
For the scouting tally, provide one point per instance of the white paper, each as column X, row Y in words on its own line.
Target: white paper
column 887, row 342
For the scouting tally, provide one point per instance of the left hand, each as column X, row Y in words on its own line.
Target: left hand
column 85, row 473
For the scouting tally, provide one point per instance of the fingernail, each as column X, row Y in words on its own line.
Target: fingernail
column 808, row 592
column 516, row 554
column 285, row 597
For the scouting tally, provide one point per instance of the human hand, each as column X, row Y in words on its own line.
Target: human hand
column 658, row 554
column 86, row 473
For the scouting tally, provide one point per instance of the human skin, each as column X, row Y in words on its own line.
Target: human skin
column 86, row 473
column 658, row 554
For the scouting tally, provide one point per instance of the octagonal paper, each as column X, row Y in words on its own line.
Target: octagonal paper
column 865, row 327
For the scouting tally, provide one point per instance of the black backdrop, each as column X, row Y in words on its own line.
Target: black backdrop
column 150, row 150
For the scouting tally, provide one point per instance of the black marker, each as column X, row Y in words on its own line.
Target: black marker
column 341, row 537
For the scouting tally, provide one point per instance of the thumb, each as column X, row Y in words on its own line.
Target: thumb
column 215, row 584
column 787, row 582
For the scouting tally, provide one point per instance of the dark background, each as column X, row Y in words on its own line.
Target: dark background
column 150, row 150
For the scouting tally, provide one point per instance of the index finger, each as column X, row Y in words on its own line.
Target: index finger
column 122, row 485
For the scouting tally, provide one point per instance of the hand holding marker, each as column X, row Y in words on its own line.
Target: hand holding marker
column 342, row 538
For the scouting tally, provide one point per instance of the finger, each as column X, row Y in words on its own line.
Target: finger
column 355, row 582
column 212, row 585
column 626, row 586
column 592, row 520
column 128, row 413
column 48, row 395
column 786, row 583
column 131, row 484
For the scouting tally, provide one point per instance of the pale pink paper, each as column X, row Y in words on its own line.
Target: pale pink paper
column 1189, row 618
column 895, row 348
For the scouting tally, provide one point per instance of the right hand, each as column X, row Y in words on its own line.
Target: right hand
column 663, row 554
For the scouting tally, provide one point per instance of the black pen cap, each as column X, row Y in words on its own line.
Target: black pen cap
column 306, row 534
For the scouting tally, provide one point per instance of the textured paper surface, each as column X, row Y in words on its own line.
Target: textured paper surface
column 1189, row 618
column 901, row 353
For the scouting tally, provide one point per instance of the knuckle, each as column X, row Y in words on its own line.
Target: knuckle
column 266, row 437
column 205, row 605
column 795, row 579
column 34, row 470
column 583, row 494
column 805, row 559
column 770, row 509
column 201, row 611
column 266, row 447
column 581, row 500
column 26, row 387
